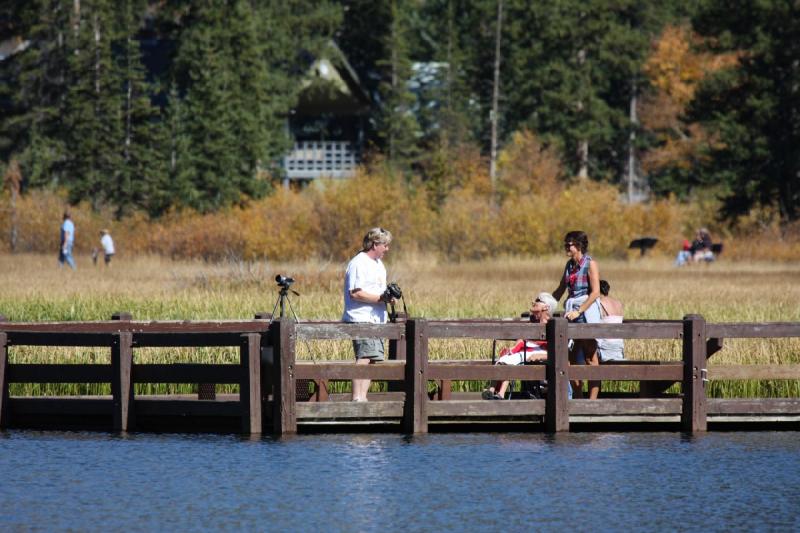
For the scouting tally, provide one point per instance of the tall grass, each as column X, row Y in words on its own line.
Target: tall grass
column 155, row 288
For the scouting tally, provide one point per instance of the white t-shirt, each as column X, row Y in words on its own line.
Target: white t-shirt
column 369, row 275
column 108, row 244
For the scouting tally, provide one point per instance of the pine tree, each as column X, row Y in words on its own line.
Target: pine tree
column 397, row 125
column 92, row 121
column 143, row 160
column 35, row 91
column 755, row 108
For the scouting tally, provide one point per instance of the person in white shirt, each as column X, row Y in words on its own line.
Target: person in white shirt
column 365, row 300
column 108, row 246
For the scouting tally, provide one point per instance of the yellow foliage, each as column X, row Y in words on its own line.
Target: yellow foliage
column 676, row 66
column 525, row 166
column 327, row 221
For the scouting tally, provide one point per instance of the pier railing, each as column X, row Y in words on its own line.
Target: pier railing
column 268, row 373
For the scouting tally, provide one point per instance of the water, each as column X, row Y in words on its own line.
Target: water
column 52, row 481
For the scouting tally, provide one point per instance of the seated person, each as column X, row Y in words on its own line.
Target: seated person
column 701, row 246
column 610, row 313
column 685, row 255
column 525, row 351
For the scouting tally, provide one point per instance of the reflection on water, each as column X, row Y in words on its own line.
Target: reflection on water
column 511, row 482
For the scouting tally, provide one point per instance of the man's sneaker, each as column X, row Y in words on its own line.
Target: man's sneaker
column 488, row 394
column 496, row 397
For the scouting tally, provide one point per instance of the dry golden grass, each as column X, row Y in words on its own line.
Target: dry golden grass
column 154, row 288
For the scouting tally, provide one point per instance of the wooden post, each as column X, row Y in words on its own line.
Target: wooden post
column 3, row 377
column 250, row 387
column 266, row 362
column 122, row 382
column 557, row 402
column 415, row 410
column 693, row 415
column 284, row 415
column 397, row 352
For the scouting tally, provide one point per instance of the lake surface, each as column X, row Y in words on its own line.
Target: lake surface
column 52, row 481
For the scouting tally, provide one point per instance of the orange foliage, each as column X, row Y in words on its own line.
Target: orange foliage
column 675, row 69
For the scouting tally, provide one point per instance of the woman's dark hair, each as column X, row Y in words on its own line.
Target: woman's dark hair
column 579, row 238
column 604, row 287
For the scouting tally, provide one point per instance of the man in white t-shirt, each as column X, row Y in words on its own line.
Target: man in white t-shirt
column 365, row 300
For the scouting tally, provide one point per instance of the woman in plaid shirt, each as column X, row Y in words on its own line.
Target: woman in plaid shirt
column 582, row 279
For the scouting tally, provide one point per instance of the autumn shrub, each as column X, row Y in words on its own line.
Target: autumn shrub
column 281, row 226
column 212, row 236
column 531, row 210
column 347, row 208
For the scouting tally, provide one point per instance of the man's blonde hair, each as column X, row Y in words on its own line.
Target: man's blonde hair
column 376, row 236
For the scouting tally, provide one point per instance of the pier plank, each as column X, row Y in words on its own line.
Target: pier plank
column 387, row 370
column 59, row 373
column 349, row 331
column 754, row 372
column 187, row 373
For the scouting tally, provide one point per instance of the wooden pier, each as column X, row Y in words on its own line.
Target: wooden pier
column 419, row 398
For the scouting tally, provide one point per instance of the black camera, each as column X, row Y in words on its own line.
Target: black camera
column 284, row 281
column 393, row 290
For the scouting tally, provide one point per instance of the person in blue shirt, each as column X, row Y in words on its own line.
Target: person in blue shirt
column 67, row 240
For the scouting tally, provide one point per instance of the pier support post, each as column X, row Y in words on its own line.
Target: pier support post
column 415, row 409
column 397, row 352
column 695, row 373
column 3, row 378
column 266, row 364
column 557, row 402
column 284, row 415
column 250, row 387
column 122, row 382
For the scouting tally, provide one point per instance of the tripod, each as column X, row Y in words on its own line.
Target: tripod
column 283, row 298
column 302, row 385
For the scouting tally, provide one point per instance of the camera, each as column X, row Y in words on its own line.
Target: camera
column 392, row 291
column 284, row 281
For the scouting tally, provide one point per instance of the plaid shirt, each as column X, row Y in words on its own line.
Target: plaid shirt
column 576, row 277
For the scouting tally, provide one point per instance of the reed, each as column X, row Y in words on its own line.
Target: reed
column 155, row 288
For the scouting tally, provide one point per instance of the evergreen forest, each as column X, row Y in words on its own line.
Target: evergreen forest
column 665, row 99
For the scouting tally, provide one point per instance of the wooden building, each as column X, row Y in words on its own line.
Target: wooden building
column 328, row 123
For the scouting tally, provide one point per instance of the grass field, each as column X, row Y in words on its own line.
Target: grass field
column 154, row 288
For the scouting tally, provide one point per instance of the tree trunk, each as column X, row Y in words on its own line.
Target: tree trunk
column 631, row 148
column 495, row 98
column 583, row 144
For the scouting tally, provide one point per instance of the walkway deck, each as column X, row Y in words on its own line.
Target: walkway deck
column 270, row 400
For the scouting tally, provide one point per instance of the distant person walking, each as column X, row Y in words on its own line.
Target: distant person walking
column 67, row 241
column 108, row 246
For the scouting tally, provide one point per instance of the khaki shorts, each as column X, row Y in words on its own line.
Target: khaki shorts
column 368, row 349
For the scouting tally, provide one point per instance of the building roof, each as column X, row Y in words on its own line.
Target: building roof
column 331, row 86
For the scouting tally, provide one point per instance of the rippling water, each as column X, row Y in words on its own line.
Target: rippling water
column 507, row 482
